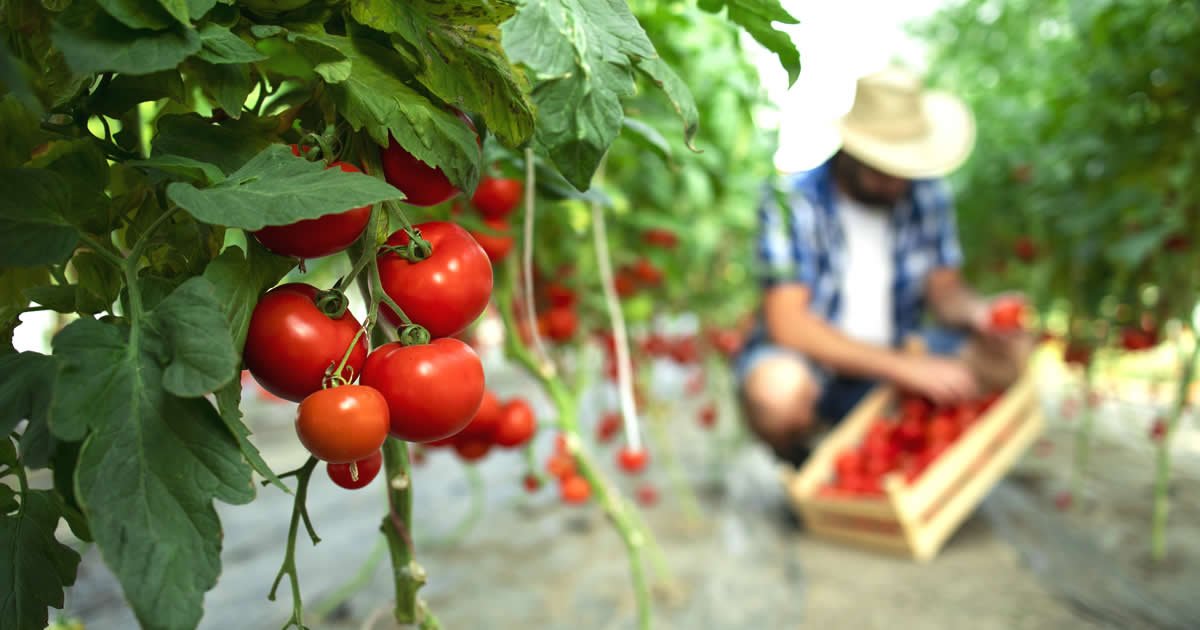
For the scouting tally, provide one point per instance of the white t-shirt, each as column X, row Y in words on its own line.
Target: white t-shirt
column 868, row 272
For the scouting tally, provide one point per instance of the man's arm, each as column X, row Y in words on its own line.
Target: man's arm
column 953, row 302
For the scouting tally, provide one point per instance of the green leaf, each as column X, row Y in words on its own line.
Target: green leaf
column 229, row 400
column 756, row 16
column 22, row 133
column 16, row 79
column 647, row 137
column 85, row 169
column 1134, row 248
column 65, row 461
column 459, row 57
column 92, row 41
column 150, row 468
column 32, row 228
column 278, row 188
column 127, row 90
column 375, row 97
column 60, row 297
column 228, row 145
column 677, row 92
column 227, row 85
column 582, row 52
column 25, row 384
column 8, row 496
column 148, row 14
column 14, row 282
column 240, row 281
column 8, row 457
column 34, row 566
column 202, row 357
column 99, row 283
column 198, row 172
column 219, row 45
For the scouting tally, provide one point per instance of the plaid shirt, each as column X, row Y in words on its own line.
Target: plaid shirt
column 806, row 245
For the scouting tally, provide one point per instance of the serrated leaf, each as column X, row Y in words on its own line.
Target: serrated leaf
column 220, row 46
column 459, row 57
column 149, row 470
column 229, row 400
column 99, row 283
column 374, row 97
column 34, row 566
column 239, row 281
column 757, row 16
column 278, row 188
column 199, row 172
column 147, row 14
column 126, row 90
column 93, row 41
column 25, row 385
column 226, row 84
column 582, row 52
column 677, row 92
column 201, row 354
column 85, row 169
column 33, row 230
column 228, row 145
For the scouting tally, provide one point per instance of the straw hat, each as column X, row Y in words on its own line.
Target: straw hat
column 901, row 129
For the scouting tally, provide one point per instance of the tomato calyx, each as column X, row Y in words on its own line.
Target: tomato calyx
column 414, row 251
column 414, row 335
column 333, row 303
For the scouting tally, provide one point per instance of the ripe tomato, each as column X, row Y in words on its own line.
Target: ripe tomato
column 625, row 284
column 367, row 469
column 560, row 466
column 685, row 351
column 496, row 197
column 560, row 443
column 1024, row 249
column 343, row 424
column 487, row 419
column 913, row 406
column 560, row 295
column 911, row 434
column 496, row 247
column 561, row 323
column 471, row 450
column 942, row 429
column 313, row 238
column 291, row 343
column 647, row 495
column 631, row 461
column 422, row 184
column 1177, row 243
column 432, row 390
column 516, row 426
column 708, row 417
column 445, row 292
column 608, row 427
column 726, row 342
column 575, row 490
column 532, row 483
column 660, row 237
column 1136, row 339
column 1006, row 314
column 1158, row 430
column 695, row 384
column 647, row 273
column 849, row 463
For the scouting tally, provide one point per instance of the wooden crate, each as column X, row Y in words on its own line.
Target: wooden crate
column 917, row 519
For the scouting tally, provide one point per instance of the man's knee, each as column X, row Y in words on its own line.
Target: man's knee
column 781, row 394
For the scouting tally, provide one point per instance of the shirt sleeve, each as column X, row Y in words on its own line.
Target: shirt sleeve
column 787, row 246
column 947, row 249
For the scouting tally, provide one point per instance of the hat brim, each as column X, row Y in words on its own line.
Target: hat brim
column 946, row 145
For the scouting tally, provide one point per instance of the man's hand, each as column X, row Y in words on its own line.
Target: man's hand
column 940, row 379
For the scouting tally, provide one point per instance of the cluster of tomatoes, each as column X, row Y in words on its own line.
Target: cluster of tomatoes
column 494, row 200
column 907, row 445
column 509, row 424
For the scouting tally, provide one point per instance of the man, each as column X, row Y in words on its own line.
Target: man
column 852, row 255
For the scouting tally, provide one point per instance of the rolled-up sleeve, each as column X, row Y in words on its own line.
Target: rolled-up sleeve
column 787, row 250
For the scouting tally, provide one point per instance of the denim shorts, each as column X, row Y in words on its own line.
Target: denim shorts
column 839, row 394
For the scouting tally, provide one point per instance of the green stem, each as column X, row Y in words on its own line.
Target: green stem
column 299, row 510
column 102, row 251
column 131, row 263
column 1162, row 458
column 408, row 576
column 360, row 581
column 369, row 238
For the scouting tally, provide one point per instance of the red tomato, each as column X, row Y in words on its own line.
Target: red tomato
column 659, row 237
column 870, row 486
column 422, row 184
column 708, row 417
column 631, row 461
column 432, row 390
column 1025, row 249
column 942, row 429
column 685, row 351
column 343, row 424
column 291, row 343
column 471, row 450
column 367, row 469
column 313, row 238
column 880, row 431
column 532, row 483
column 849, row 463
column 696, row 384
column 560, row 443
column 1077, row 353
column 1158, row 430
column 647, row 273
column 495, row 198
column 1177, row 243
column 625, row 284
column 560, row 466
column 647, row 495
column 516, row 426
column 496, row 247
column 483, row 426
column 727, row 342
column 575, row 490
column 911, row 434
column 608, row 427
column 1135, row 339
column 445, row 292
column 560, row 295
column 913, row 406
column 418, row 457
column 1006, row 314
column 561, row 323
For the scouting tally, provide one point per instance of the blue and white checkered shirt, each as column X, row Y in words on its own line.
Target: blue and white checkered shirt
column 801, row 241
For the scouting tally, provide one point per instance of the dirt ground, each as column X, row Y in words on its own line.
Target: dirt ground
column 736, row 562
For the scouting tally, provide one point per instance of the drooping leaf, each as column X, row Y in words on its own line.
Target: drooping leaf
column 757, row 16
column 582, row 52
column 456, row 46
column 93, row 41
column 227, row 84
column 375, row 97
column 127, row 90
column 191, row 321
column 677, row 92
column 66, row 460
column 85, row 170
column 33, row 230
column 198, row 172
column 99, row 283
column 150, row 468
column 229, row 400
column 278, row 188
column 34, row 566
column 228, row 145
column 25, row 381
column 647, row 137
column 219, row 45
column 138, row 14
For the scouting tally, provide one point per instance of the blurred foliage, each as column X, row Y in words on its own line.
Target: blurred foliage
column 1086, row 160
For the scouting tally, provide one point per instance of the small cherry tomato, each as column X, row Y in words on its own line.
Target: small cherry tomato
column 366, row 470
column 1006, row 314
column 290, row 343
column 517, row 424
column 632, row 461
column 496, row 246
column 575, row 490
column 343, row 424
column 647, row 495
column 560, row 466
column 496, row 197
